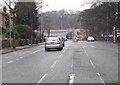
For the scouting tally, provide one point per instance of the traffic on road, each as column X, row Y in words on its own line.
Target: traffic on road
column 59, row 42
column 89, row 62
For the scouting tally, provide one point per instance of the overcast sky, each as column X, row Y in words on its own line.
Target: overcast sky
column 64, row 4
column 56, row 5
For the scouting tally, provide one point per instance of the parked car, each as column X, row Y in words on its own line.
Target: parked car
column 90, row 38
column 53, row 43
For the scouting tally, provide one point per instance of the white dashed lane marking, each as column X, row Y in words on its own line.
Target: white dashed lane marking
column 41, row 78
column 53, row 64
column 10, row 62
column 92, row 46
column 92, row 64
column 60, row 55
column 21, row 57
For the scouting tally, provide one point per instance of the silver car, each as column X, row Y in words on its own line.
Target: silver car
column 53, row 43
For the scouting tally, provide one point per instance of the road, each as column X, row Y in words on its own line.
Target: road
column 90, row 62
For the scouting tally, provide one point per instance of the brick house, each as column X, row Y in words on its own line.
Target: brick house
column 2, row 21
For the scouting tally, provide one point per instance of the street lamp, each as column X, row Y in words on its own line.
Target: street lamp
column 35, row 40
column 114, row 34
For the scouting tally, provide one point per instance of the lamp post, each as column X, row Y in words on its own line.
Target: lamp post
column 114, row 34
column 35, row 40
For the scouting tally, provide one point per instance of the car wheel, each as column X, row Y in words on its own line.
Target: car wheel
column 46, row 49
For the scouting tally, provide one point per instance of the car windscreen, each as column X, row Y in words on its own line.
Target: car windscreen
column 53, row 39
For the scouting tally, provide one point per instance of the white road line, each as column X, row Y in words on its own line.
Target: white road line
column 60, row 55
column 53, row 64
column 30, row 54
column 72, row 64
column 100, row 78
column 71, row 78
column 86, row 53
column 92, row 46
column 42, row 78
column 10, row 62
column 88, row 57
column 37, row 51
column 8, row 57
column 21, row 57
column 92, row 63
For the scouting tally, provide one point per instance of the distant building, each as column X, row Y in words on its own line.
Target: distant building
column 3, row 19
column 76, row 34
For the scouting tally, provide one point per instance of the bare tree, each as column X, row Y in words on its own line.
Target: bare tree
column 11, row 5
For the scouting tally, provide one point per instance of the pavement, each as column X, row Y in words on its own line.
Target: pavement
column 8, row 50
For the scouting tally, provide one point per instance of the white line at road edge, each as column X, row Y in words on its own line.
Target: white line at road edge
column 42, row 78
column 100, row 78
column 60, row 55
column 53, row 64
column 21, row 57
column 93, row 65
column 88, row 57
column 10, row 62
column 92, row 46
column 8, row 56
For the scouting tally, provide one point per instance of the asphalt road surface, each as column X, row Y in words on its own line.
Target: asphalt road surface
column 87, row 62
